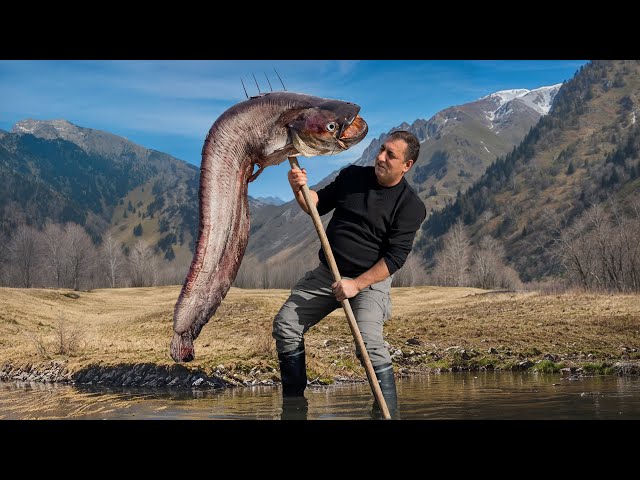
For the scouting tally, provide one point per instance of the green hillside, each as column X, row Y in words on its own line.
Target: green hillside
column 585, row 151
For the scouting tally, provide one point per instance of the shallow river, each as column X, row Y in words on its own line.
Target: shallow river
column 469, row 396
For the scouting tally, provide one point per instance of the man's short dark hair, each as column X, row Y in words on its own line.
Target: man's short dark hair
column 413, row 145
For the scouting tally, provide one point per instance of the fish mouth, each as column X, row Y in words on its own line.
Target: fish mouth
column 353, row 133
column 181, row 347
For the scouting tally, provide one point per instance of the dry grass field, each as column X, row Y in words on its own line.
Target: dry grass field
column 431, row 329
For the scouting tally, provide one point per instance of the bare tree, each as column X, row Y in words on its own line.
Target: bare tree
column 508, row 278
column 54, row 254
column 489, row 268
column 632, row 234
column 80, row 253
column 412, row 273
column 571, row 247
column 112, row 259
column 254, row 273
column 601, row 249
column 251, row 274
column 486, row 262
column 171, row 272
column 24, row 254
column 601, row 232
column 624, row 256
column 285, row 274
column 452, row 262
column 142, row 265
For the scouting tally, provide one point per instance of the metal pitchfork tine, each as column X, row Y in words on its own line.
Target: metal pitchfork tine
column 265, row 76
column 254, row 79
column 283, row 87
column 245, row 89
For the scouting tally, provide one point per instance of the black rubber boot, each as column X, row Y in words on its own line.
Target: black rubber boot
column 293, row 372
column 388, row 386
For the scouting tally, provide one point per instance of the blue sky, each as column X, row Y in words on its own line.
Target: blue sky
column 170, row 105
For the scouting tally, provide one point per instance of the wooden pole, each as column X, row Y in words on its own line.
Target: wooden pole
column 371, row 374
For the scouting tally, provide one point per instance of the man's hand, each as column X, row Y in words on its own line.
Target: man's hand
column 297, row 178
column 344, row 289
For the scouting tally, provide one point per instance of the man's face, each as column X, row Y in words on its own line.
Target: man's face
column 390, row 165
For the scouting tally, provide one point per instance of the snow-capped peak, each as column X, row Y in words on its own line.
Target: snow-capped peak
column 35, row 126
column 504, row 96
column 538, row 99
column 541, row 98
column 23, row 127
column 52, row 129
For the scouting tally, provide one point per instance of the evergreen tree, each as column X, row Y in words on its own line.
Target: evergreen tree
column 570, row 169
column 614, row 178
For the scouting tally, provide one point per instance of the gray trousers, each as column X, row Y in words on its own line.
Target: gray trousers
column 311, row 300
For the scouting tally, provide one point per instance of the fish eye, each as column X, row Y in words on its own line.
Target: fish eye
column 331, row 126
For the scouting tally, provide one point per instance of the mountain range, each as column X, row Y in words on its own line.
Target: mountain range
column 57, row 171
column 61, row 172
column 496, row 164
column 457, row 145
column 585, row 151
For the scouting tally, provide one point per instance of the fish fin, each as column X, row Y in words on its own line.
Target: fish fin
column 256, row 174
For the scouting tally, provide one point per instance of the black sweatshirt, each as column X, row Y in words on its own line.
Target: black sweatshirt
column 370, row 221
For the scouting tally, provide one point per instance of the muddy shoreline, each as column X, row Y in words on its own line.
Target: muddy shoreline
column 180, row 377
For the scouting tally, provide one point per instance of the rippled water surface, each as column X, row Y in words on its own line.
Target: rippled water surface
column 468, row 396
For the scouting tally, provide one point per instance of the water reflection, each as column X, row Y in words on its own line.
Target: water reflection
column 487, row 395
column 294, row 408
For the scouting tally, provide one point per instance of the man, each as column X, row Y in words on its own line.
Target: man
column 371, row 234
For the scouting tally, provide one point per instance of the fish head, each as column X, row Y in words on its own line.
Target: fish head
column 327, row 128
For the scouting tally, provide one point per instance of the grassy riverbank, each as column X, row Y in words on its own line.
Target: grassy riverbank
column 431, row 329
